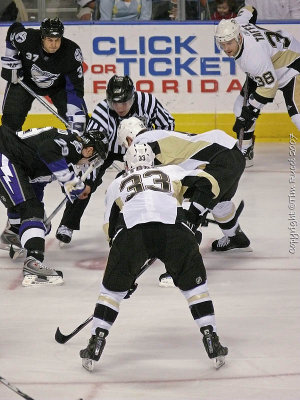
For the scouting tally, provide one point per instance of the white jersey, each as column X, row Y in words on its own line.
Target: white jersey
column 188, row 150
column 272, row 59
column 148, row 194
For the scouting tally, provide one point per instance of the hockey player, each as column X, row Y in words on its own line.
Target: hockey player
column 223, row 163
column 28, row 161
column 122, row 101
column 139, row 232
column 271, row 60
column 49, row 64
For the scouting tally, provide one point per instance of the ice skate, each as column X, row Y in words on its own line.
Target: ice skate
column 64, row 235
column 213, row 347
column 165, row 280
column 36, row 273
column 9, row 238
column 10, row 241
column 93, row 350
column 238, row 242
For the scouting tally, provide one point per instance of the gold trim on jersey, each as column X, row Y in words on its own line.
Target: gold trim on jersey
column 106, row 299
column 297, row 92
column 174, row 150
column 267, row 92
column 105, row 230
column 284, row 58
column 177, row 191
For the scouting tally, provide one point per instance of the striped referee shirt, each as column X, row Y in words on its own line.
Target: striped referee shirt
column 145, row 106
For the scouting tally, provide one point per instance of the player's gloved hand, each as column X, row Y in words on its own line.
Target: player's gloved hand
column 73, row 188
column 11, row 69
column 247, row 118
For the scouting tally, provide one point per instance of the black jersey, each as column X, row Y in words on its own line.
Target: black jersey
column 41, row 152
column 145, row 106
column 47, row 73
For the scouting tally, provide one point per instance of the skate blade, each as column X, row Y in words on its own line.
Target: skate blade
column 34, row 280
column 165, row 282
column 62, row 245
column 236, row 250
column 88, row 364
column 219, row 362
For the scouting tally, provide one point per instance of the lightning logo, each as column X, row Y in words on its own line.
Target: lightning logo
column 7, row 174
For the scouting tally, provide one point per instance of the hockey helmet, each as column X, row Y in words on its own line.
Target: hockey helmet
column 227, row 30
column 98, row 140
column 129, row 127
column 139, row 155
column 119, row 90
column 52, row 27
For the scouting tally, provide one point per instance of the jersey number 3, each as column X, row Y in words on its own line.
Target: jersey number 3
column 134, row 183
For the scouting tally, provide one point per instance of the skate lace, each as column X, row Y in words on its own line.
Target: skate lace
column 224, row 241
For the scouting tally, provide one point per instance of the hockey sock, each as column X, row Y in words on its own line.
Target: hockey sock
column 201, row 305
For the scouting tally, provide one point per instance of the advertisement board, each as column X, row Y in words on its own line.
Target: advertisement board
column 177, row 62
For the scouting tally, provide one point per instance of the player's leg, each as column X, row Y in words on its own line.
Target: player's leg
column 74, row 211
column 19, row 193
column 184, row 262
column 291, row 93
column 120, row 274
column 16, row 105
column 249, row 136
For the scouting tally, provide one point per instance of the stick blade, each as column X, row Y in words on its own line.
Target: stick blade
column 59, row 337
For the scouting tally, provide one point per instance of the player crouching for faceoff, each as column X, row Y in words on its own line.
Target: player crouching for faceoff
column 271, row 61
column 28, row 161
column 223, row 164
column 138, row 233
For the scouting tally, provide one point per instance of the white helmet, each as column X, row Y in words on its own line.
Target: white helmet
column 227, row 30
column 139, row 155
column 129, row 127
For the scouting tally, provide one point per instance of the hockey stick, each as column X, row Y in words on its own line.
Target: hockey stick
column 93, row 165
column 15, row 252
column 60, row 338
column 241, row 135
column 33, row 94
column 15, row 389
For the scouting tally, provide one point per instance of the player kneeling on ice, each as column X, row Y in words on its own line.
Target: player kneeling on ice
column 28, row 161
column 138, row 233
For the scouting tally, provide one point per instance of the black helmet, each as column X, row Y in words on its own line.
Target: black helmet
column 119, row 89
column 52, row 27
column 98, row 140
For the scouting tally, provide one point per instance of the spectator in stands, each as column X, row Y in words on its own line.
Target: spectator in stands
column 225, row 9
column 13, row 11
column 161, row 9
column 279, row 9
column 86, row 10
column 125, row 10
column 116, row 10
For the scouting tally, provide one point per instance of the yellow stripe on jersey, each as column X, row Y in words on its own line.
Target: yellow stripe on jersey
column 177, row 191
column 183, row 149
column 297, row 92
column 215, row 188
column 284, row 58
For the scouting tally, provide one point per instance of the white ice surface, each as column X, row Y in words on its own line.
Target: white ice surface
column 154, row 350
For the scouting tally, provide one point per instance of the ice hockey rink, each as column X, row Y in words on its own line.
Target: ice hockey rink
column 154, row 350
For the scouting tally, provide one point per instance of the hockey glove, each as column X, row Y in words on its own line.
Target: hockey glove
column 11, row 69
column 73, row 188
column 247, row 118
